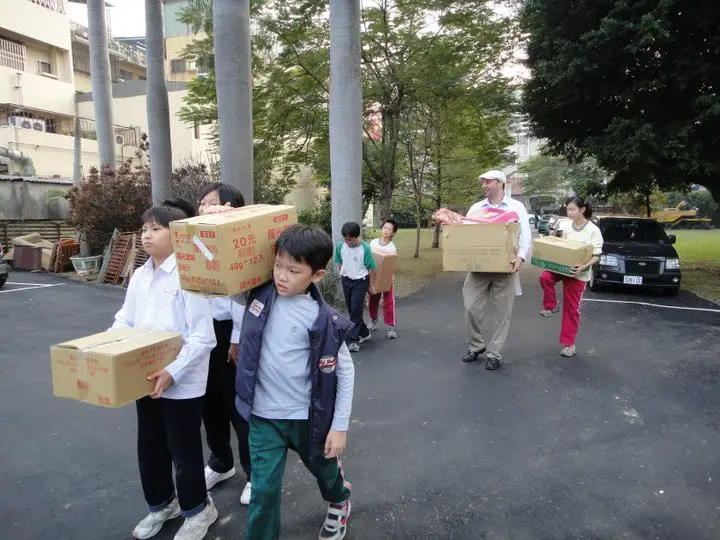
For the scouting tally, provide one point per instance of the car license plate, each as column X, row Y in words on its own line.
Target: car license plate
column 632, row 280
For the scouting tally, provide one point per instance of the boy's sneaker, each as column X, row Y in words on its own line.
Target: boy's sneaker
column 196, row 527
column 246, row 494
column 373, row 325
column 354, row 347
column 336, row 521
column 568, row 351
column 549, row 312
column 153, row 522
column 213, row 478
column 391, row 333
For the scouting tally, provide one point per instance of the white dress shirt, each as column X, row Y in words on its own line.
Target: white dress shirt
column 508, row 203
column 155, row 300
column 224, row 309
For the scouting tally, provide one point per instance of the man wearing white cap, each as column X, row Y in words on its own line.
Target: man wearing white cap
column 500, row 289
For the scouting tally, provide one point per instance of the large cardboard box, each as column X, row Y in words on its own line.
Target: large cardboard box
column 559, row 255
column 482, row 247
column 229, row 253
column 111, row 368
column 386, row 265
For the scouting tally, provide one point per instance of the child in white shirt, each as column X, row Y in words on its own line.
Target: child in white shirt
column 386, row 246
column 169, row 418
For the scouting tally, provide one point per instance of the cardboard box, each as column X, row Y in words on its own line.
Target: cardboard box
column 482, row 247
column 229, row 253
column 111, row 368
column 559, row 255
column 386, row 265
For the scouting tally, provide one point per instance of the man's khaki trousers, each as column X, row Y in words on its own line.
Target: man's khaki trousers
column 477, row 290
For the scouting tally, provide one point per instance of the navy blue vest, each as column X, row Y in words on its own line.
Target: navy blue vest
column 326, row 336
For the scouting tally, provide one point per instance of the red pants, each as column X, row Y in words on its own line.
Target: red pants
column 388, row 299
column 572, row 297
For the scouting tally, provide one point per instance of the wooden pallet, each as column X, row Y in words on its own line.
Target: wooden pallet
column 119, row 251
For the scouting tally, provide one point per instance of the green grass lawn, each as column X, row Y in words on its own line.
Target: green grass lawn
column 700, row 261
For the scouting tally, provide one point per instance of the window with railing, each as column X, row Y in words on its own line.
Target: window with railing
column 54, row 5
column 44, row 68
column 13, row 54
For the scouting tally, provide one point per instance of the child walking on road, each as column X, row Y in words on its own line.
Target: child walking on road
column 355, row 263
column 169, row 419
column 219, row 413
column 581, row 229
column 295, row 383
column 384, row 245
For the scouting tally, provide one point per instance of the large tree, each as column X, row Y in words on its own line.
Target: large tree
column 158, row 108
column 632, row 82
column 101, row 82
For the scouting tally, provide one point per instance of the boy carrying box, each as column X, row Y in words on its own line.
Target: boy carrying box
column 295, row 382
column 355, row 263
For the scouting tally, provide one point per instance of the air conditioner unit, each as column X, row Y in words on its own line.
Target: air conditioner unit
column 119, row 139
column 38, row 125
column 16, row 120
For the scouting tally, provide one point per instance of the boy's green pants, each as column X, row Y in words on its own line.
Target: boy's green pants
column 269, row 443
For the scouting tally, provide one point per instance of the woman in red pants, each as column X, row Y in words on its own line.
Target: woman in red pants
column 581, row 229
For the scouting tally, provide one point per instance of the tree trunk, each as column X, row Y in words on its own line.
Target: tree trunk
column 384, row 202
column 231, row 31
column 345, row 114
column 158, row 109
column 438, row 199
column 418, row 210
column 648, row 209
column 101, row 82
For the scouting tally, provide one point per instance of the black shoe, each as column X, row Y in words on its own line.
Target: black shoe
column 493, row 362
column 473, row 356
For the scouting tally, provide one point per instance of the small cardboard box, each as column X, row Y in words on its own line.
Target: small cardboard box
column 482, row 247
column 111, row 368
column 229, row 253
column 385, row 272
column 559, row 255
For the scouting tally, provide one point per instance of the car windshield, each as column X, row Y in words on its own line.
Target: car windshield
column 632, row 230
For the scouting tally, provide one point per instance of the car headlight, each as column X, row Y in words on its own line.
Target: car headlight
column 608, row 260
column 672, row 264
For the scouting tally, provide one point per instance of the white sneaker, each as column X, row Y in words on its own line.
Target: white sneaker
column 568, row 351
column 391, row 334
column 246, row 494
column 153, row 522
column 196, row 527
column 373, row 325
column 354, row 347
column 213, row 478
column 336, row 522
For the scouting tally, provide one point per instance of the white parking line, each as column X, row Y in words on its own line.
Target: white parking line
column 709, row 310
column 31, row 286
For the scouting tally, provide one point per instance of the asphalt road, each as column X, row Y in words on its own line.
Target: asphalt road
column 622, row 441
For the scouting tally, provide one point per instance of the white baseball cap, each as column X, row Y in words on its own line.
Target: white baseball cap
column 494, row 175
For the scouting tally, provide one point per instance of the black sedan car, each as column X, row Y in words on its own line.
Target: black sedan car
column 637, row 253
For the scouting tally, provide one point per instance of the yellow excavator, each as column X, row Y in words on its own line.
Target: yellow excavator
column 681, row 217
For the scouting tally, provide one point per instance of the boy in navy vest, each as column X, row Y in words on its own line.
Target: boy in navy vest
column 295, row 382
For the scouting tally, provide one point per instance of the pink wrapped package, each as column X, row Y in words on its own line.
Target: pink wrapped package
column 492, row 215
column 486, row 215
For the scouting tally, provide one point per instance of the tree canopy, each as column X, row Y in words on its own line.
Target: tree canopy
column 633, row 83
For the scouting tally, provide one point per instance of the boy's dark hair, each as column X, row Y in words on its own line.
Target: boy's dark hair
column 580, row 203
column 391, row 222
column 350, row 229
column 169, row 210
column 306, row 244
column 226, row 194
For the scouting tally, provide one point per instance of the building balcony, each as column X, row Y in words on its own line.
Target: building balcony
column 52, row 5
column 44, row 21
column 52, row 154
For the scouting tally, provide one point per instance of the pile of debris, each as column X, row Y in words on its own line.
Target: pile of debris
column 33, row 252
